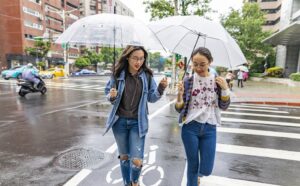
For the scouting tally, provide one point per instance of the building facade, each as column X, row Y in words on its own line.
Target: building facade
column 287, row 39
column 92, row 7
column 272, row 9
column 21, row 21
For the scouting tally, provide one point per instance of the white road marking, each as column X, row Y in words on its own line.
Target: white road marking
column 260, row 115
column 258, row 132
column 70, row 108
column 223, row 181
column 254, row 106
column 78, row 177
column 263, row 122
column 260, row 152
column 259, row 110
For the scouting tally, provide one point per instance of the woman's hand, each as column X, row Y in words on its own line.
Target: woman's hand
column 113, row 93
column 180, row 88
column 222, row 83
column 164, row 82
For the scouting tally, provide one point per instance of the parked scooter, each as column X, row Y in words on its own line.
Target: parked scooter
column 26, row 87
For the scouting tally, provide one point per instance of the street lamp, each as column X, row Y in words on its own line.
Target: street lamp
column 62, row 13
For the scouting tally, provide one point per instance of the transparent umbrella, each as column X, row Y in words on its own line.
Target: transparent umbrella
column 182, row 34
column 110, row 30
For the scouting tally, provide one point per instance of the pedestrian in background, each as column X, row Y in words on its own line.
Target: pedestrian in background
column 229, row 79
column 240, row 77
column 129, row 115
column 199, row 101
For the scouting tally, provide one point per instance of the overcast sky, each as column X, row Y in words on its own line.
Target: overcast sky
column 222, row 6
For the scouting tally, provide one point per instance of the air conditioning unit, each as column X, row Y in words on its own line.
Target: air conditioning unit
column 41, row 17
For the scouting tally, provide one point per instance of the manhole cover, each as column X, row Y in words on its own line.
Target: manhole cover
column 77, row 159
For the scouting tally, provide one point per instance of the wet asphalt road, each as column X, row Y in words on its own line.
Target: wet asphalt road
column 46, row 140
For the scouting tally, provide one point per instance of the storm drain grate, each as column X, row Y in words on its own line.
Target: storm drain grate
column 80, row 158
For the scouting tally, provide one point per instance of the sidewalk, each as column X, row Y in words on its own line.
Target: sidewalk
column 266, row 93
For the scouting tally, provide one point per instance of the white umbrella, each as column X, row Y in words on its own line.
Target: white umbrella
column 182, row 34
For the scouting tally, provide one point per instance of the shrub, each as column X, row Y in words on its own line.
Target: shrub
column 275, row 72
column 295, row 76
column 256, row 74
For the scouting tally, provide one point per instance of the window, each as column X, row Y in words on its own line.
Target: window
column 29, row 36
column 31, row 12
column 33, row 25
column 36, row 1
column 269, row 23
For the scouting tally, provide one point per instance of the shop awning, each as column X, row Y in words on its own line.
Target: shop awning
column 288, row 36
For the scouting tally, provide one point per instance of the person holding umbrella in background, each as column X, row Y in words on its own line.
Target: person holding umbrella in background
column 199, row 101
column 129, row 90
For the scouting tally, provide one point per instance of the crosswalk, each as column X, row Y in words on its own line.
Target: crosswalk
column 256, row 134
column 254, row 148
column 81, row 85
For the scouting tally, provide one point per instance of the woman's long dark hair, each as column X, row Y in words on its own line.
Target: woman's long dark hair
column 122, row 63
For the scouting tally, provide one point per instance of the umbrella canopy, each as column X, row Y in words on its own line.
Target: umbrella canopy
column 110, row 30
column 182, row 34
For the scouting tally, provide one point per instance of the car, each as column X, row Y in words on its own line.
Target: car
column 83, row 72
column 15, row 72
column 168, row 73
column 52, row 72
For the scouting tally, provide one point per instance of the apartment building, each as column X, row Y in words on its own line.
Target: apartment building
column 92, row 7
column 272, row 9
column 287, row 39
column 21, row 21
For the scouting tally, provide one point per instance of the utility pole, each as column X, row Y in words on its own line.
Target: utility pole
column 173, row 77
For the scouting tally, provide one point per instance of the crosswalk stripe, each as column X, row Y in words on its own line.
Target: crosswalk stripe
column 223, row 181
column 263, row 122
column 259, row 110
column 260, row 152
column 253, row 106
column 261, row 115
column 258, row 132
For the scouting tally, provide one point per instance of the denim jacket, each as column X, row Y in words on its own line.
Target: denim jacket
column 152, row 95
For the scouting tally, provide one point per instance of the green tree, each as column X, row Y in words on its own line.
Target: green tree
column 40, row 49
column 93, row 57
column 82, row 62
column 154, row 59
column 246, row 27
column 164, row 8
column 107, row 54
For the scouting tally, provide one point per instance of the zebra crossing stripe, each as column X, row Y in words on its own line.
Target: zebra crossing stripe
column 253, row 106
column 261, row 122
column 223, row 181
column 259, row 110
column 258, row 132
column 261, row 115
column 260, row 152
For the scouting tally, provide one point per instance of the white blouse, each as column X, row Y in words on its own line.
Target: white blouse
column 203, row 106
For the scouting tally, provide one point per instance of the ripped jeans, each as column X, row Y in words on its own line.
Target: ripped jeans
column 129, row 144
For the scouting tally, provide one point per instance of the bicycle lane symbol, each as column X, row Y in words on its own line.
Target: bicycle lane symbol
column 149, row 166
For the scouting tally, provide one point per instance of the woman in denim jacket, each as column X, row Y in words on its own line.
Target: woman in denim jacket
column 129, row 115
column 199, row 101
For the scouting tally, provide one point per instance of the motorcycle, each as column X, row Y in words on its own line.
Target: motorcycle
column 26, row 87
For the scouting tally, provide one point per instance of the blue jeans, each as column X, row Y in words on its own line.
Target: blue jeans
column 129, row 144
column 199, row 139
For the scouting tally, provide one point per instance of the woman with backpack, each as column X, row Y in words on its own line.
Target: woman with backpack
column 129, row 115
